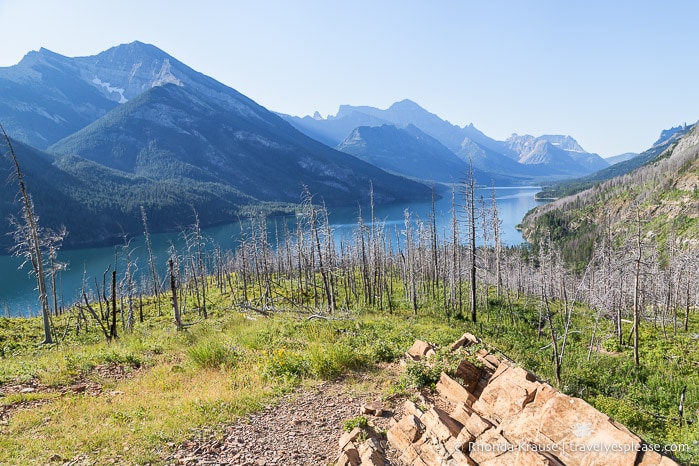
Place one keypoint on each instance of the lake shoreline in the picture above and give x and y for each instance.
(17, 289)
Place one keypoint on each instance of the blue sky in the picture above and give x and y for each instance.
(612, 74)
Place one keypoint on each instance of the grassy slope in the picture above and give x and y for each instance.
(229, 365)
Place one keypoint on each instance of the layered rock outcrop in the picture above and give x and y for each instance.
(495, 413)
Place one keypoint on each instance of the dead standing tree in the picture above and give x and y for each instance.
(151, 258)
(470, 188)
(29, 242)
(314, 217)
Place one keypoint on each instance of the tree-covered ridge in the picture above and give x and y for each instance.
(176, 132)
(99, 204)
(173, 151)
(662, 196)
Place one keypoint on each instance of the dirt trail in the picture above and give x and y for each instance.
(301, 429)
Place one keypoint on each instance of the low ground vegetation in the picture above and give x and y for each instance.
(137, 397)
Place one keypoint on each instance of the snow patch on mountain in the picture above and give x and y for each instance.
(110, 89)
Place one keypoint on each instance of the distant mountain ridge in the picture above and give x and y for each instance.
(560, 157)
(41, 101)
(562, 153)
(407, 151)
(621, 157)
(673, 133)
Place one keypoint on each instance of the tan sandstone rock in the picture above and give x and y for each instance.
(488, 446)
(467, 339)
(508, 392)
(411, 408)
(419, 350)
(571, 430)
(453, 391)
(371, 453)
(476, 425)
(459, 458)
(461, 412)
(469, 375)
(373, 408)
(348, 437)
(439, 423)
(406, 432)
(652, 458)
(349, 457)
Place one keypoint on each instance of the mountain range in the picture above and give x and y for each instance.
(99, 137)
(519, 160)
(134, 127)
(667, 139)
(621, 157)
(410, 152)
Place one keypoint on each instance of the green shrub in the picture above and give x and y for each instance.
(115, 357)
(350, 424)
(330, 361)
(384, 351)
(612, 345)
(627, 414)
(419, 375)
(285, 364)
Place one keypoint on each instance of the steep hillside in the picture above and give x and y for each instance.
(663, 194)
(620, 158)
(98, 204)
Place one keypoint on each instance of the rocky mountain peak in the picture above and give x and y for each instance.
(406, 105)
(125, 71)
(563, 142)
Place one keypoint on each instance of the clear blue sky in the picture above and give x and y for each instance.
(611, 73)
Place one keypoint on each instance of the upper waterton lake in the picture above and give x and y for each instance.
(18, 295)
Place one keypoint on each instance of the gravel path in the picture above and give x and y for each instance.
(301, 429)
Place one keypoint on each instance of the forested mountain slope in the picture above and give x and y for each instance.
(409, 152)
(181, 134)
(98, 204)
(662, 195)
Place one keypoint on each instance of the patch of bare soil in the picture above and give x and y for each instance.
(301, 429)
(114, 371)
